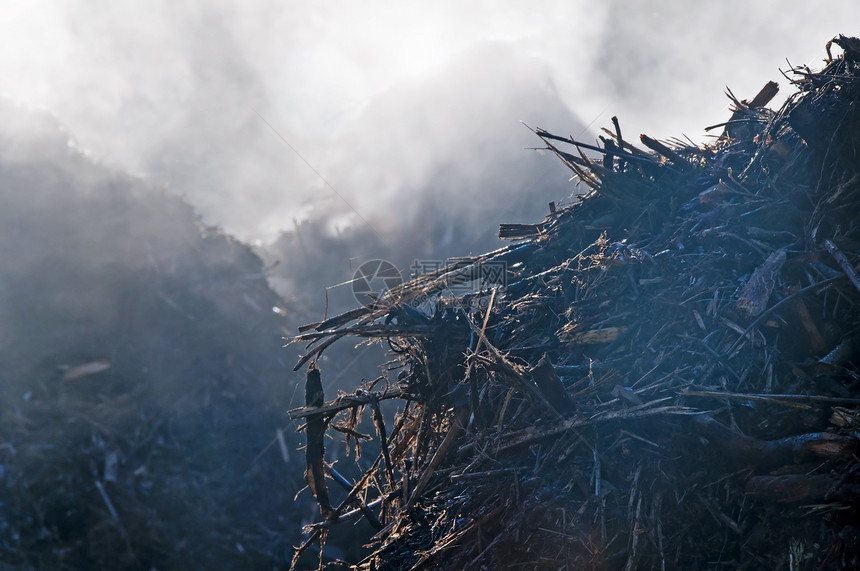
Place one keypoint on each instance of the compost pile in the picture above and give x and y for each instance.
(142, 376)
(661, 376)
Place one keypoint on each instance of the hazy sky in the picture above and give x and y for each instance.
(379, 97)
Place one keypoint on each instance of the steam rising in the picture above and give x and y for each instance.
(380, 97)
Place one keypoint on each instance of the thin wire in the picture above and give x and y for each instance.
(322, 178)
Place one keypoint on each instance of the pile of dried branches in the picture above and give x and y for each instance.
(664, 380)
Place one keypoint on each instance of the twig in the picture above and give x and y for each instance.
(115, 517)
(547, 135)
(344, 402)
(662, 149)
(318, 349)
(533, 434)
(338, 516)
(775, 398)
(344, 483)
(107, 501)
(460, 417)
(776, 306)
(383, 441)
(843, 263)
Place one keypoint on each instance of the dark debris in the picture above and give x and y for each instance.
(695, 309)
